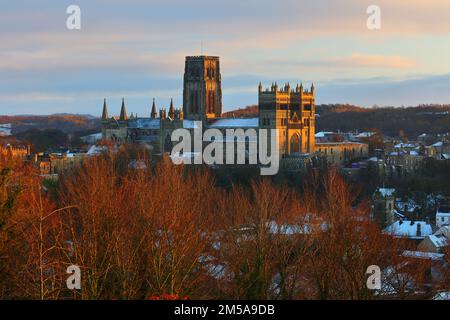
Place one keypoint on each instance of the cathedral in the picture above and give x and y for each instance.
(291, 110)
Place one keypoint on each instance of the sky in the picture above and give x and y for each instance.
(136, 49)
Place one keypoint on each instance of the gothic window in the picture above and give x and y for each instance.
(211, 102)
(208, 102)
(295, 143)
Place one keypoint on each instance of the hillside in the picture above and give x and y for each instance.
(412, 120)
(67, 123)
(250, 111)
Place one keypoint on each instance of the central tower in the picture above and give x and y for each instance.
(202, 90)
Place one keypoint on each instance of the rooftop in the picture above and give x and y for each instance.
(409, 229)
(235, 123)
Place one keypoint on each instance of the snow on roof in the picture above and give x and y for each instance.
(446, 156)
(409, 229)
(189, 124)
(93, 150)
(413, 153)
(438, 144)
(365, 134)
(288, 229)
(444, 230)
(144, 123)
(422, 255)
(322, 134)
(404, 145)
(386, 192)
(235, 123)
(398, 214)
(443, 295)
(94, 135)
(409, 205)
(234, 138)
(438, 241)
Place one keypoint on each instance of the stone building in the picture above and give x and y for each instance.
(10, 151)
(341, 153)
(292, 111)
(384, 210)
(289, 110)
(153, 130)
(202, 89)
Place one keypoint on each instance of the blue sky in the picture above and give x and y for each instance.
(136, 49)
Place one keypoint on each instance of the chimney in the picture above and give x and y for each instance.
(419, 230)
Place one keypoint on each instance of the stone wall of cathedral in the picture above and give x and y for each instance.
(292, 111)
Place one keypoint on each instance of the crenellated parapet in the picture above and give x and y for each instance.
(286, 97)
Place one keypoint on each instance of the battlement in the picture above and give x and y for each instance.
(287, 90)
(286, 98)
(202, 57)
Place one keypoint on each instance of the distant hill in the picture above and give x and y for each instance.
(250, 111)
(413, 121)
(67, 123)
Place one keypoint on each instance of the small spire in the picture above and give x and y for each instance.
(260, 87)
(123, 111)
(171, 110)
(105, 110)
(153, 113)
(312, 88)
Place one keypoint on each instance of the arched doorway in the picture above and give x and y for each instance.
(295, 144)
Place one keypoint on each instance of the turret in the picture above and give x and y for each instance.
(153, 113)
(105, 111)
(171, 110)
(123, 111)
(260, 87)
(162, 113)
